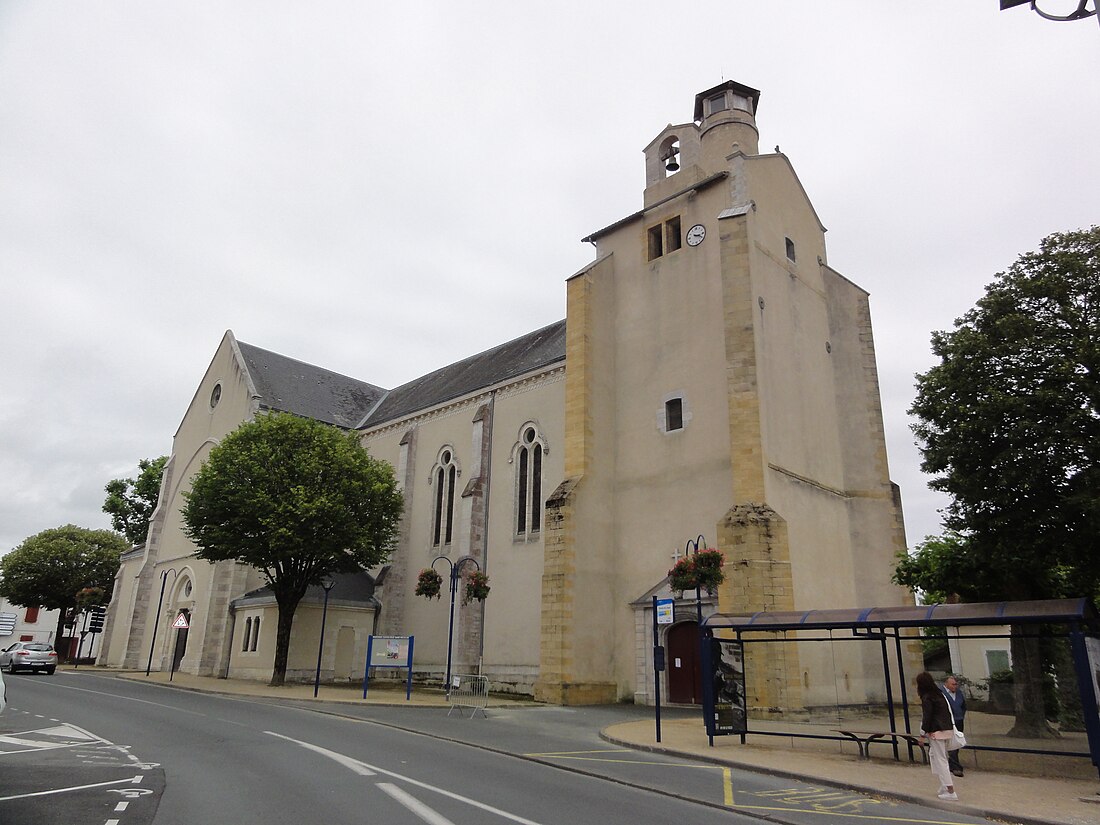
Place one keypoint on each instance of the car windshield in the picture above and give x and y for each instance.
(37, 647)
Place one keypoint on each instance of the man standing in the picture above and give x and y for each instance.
(957, 702)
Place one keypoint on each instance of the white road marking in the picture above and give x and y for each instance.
(122, 806)
(129, 699)
(61, 736)
(414, 805)
(353, 765)
(362, 766)
(63, 790)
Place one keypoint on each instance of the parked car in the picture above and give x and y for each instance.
(28, 656)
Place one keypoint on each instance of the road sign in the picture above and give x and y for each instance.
(181, 622)
(664, 611)
(7, 623)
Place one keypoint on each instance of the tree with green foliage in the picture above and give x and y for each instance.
(52, 568)
(131, 502)
(1009, 426)
(297, 500)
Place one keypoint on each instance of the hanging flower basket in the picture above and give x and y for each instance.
(428, 583)
(702, 570)
(477, 587)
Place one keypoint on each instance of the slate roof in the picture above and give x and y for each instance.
(355, 588)
(532, 351)
(287, 385)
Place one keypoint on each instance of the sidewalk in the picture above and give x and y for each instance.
(985, 791)
(995, 795)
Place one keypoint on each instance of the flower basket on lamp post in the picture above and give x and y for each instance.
(429, 583)
(477, 587)
(702, 570)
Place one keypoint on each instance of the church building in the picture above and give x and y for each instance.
(713, 385)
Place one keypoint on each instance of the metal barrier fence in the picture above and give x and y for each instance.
(468, 692)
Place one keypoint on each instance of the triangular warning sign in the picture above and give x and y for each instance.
(181, 622)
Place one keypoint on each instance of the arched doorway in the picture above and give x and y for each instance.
(685, 671)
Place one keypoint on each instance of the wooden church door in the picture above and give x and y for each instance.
(685, 674)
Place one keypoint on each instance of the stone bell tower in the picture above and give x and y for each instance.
(720, 380)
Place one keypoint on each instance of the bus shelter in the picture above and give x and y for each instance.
(728, 641)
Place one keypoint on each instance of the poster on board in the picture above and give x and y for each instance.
(727, 714)
(389, 651)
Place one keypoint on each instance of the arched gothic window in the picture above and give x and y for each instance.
(527, 456)
(255, 633)
(444, 482)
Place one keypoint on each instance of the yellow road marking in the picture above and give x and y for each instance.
(565, 757)
(878, 817)
(570, 753)
(811, 794)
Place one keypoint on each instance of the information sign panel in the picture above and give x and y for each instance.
(664, 611)
(389, 651)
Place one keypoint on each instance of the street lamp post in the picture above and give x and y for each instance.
(327, 584)
(456, 569)
(156, 622)
(1082, 12)
(690, 549)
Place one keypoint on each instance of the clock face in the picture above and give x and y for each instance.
(696, 234)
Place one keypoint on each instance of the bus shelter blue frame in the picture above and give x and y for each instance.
(884, 624)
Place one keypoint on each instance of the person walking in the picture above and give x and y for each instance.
(936, 730)
(957, 701)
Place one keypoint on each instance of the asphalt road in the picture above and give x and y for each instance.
(85, 748)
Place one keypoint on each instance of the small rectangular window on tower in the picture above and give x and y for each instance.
(717, 104)
(790, 249)
(674, 414)
(656, 250)
(672, 234)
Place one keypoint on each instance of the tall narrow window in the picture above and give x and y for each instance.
(438, 529)
(247, 633)
(790, 249)
(523, 479)
(255, 633)
(656, 248)
(451, 474)
(536, 489)
(527, 455)
(673, 238)
(445, 480)
(674, 414)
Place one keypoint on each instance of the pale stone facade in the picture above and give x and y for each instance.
(714, 376)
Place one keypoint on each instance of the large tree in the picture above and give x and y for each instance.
(131, 502)
(1009, 425)
(296, 499)
(50, 569)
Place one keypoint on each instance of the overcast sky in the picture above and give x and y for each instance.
(385, 188)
